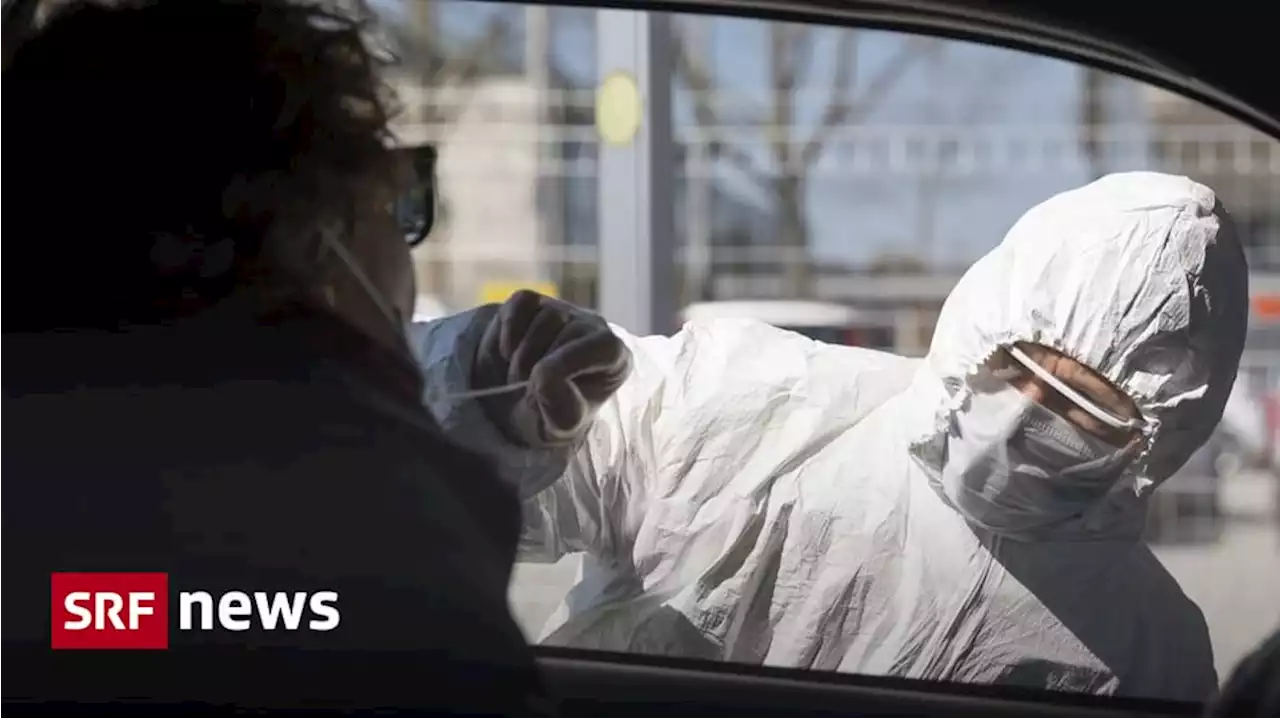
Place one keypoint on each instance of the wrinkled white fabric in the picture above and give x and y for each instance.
(752, 495)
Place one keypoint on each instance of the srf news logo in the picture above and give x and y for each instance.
(131, 611)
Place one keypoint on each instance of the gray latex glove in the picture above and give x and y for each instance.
(569, 356)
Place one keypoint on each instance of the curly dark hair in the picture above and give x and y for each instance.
(174, 150)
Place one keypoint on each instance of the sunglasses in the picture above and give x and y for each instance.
(416, 208)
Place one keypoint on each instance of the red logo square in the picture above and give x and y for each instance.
(110, 611)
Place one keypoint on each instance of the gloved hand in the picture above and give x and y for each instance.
(570, 358)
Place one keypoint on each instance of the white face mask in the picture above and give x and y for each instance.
(399, 327)
(398, 324)
(1013, 466)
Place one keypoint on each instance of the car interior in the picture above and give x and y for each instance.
(1213, 56)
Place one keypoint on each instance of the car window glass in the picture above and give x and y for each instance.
(860, 167)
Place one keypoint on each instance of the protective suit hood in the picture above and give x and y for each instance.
(1139, 276)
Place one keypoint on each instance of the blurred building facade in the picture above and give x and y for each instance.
(518, 167)
(1243, 166)
(489, 176)
(1240, 163)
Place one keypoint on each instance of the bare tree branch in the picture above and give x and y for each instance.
(702, 88)
(839, 106)
(930, 184)
(977, 106)
(782, 38)
(912, 50)
(798, 55)
(698, 78)
(882, 83)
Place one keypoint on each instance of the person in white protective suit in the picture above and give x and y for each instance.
(744, 493)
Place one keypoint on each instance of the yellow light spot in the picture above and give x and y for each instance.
(496, 292)
(619, 109)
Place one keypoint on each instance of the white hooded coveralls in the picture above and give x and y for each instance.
(753, 495)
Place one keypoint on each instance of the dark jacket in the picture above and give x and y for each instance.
(1253, 688)
(287, 454)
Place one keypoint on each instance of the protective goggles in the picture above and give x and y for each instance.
(1072, 395)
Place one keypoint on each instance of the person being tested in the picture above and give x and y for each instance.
(209, 373)
(744, 493)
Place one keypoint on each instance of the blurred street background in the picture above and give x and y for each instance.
(836, 182)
